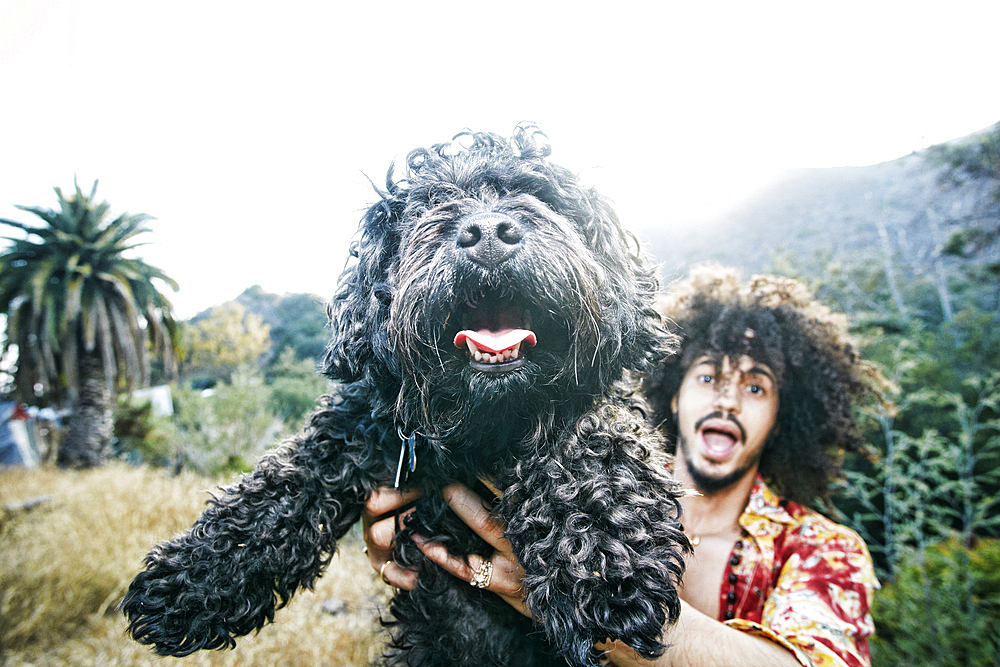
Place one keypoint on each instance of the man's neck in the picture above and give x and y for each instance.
(719, 512)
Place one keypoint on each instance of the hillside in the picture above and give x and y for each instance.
(909, 206)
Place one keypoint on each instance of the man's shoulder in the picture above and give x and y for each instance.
(811, 527)
(815, 545)
(803, 524)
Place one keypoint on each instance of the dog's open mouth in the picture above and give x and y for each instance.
(496, 336)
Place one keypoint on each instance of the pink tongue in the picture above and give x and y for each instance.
(495, 341)
(717, 444)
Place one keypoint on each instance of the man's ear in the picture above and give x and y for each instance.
(673, 408)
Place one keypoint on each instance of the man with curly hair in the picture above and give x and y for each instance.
(760, 398)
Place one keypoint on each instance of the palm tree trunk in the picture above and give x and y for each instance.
(88, 438)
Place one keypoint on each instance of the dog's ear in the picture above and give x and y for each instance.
(359, 310)
(634, 327)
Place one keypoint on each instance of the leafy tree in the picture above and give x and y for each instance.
(938, 483)
(80, 311)
(142, 436)
(229, 337)
(297, 321)
(301, 324)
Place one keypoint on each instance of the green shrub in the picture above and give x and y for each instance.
(942, 609)
(140, 436)
(296, 386)
(225, 429)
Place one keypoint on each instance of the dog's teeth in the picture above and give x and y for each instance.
(485, 357)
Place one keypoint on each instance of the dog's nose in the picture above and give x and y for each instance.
(489, 238)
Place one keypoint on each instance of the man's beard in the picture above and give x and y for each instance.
(710, 486)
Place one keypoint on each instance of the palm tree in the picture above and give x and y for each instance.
(80, 312)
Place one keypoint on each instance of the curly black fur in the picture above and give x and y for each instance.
(491, 235)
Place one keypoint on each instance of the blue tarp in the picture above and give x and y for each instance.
(15, 444)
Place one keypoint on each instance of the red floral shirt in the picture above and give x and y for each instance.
(801, 580)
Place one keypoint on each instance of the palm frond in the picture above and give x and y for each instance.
(68, 289)
(122, 229)
(105, 339)
(129, 340)
(42, 278)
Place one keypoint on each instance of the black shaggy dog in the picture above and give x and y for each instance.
(481, 331)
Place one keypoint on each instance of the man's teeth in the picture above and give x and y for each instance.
(491, 358)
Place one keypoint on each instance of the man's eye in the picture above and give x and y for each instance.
(756, 389)
(706, 378)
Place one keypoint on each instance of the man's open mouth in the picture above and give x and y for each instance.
(718, 443)
(496, 335)
(719, 437)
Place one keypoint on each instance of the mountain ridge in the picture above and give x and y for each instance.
(909, 207)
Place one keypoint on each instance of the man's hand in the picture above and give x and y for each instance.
(505, 570)
(379, 522)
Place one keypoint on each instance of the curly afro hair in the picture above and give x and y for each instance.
(822, 378)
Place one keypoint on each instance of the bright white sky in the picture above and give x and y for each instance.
(247, 128)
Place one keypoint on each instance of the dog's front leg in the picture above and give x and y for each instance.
(251, 549)
(596, 527)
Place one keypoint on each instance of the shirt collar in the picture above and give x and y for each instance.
(766, 504)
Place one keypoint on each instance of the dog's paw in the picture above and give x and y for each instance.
(193, 596)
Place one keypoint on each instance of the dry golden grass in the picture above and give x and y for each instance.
(65, 564)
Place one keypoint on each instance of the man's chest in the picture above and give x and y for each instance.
(706, 570)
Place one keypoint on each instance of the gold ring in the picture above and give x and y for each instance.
(381, 571)
(481, 577)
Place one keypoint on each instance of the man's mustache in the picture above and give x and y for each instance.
(720, 415)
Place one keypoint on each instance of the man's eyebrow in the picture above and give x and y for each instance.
(716, 363)
(760, 370)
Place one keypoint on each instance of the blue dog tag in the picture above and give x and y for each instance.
(408, 454)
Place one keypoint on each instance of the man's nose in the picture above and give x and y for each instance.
(727, 397)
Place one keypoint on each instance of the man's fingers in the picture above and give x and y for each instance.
(501, 579)
(437, 553)
(378, 520)
(501, 574)
(492, 487)
(385, 500)
(471, 509)
(381, 534)
(397, 576)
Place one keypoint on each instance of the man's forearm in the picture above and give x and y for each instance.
(699, 641)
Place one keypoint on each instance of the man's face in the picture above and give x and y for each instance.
(725, 414)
